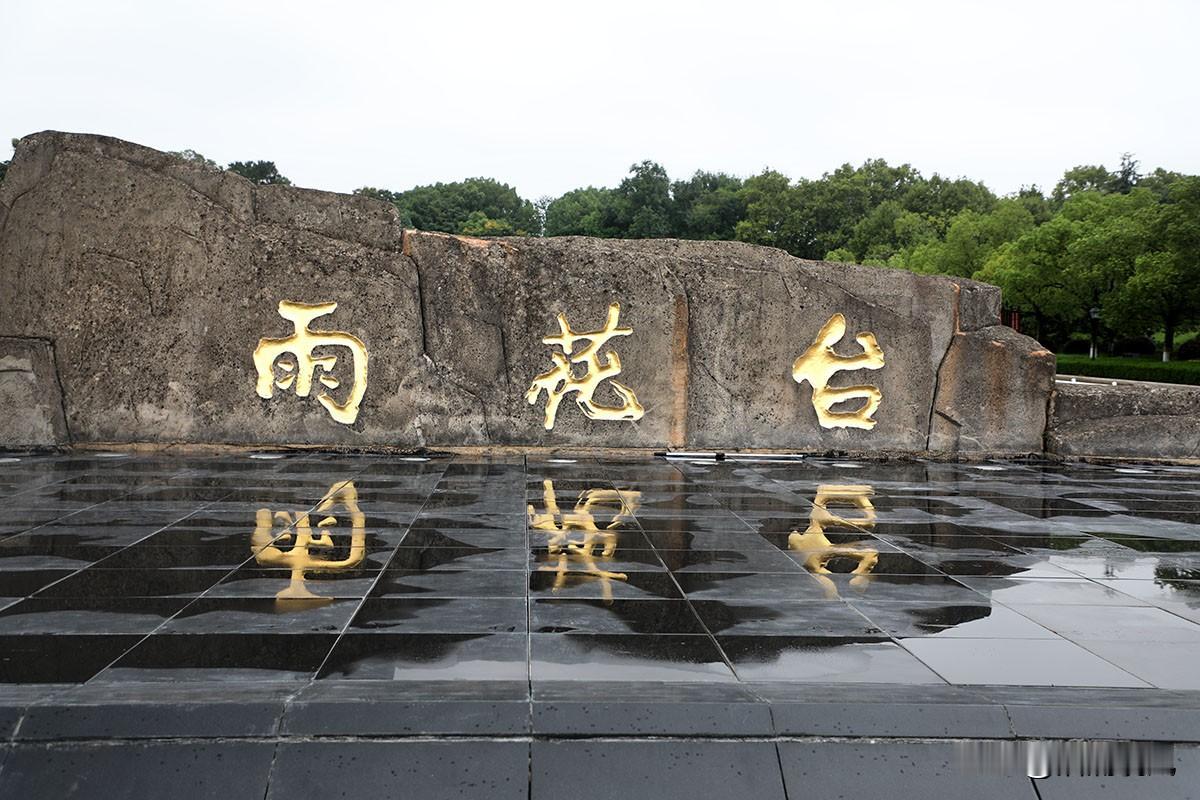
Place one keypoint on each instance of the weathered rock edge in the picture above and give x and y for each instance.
(1137, 420)
(155, 277)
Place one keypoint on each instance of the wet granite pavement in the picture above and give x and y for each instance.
(293, 625)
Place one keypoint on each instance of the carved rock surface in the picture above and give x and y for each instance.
(156, 278)
(1131, 419)
(992, 392)
(29, 395)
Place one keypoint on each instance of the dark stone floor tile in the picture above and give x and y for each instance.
(798, 585)
(83, 615)
(1180, 786)
(828, 659)
(451, 583)
(886, 769)
(428, 657)
(409, 708)
(158, 711)
(255, 581)
(617, 616)
(184, 770)
(664, 770)
(951, 620)
(782, 618)
(442, 615)
(262, 615)
(236, 657)
(427, 559)
(96, 582)
(24, 582)
(584, 582)
(613, 657)
(58, 658)
(426, 770)
(1104, 721)
(1041, 662)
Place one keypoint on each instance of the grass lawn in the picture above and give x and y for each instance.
(1131, 369)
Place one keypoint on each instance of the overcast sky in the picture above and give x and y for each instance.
(552, 96)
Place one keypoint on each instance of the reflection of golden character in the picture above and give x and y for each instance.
(299, 366)
(561, 380)
(819, 551)
(576, 557)
(299, 541)
(819, 363)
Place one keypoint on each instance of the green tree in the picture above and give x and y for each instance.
(1084, 178)
(195, 158)
(448, 207)
(708, 206)
(583, 212)
(1163, 290)
(970, 240)
(259, 172)
(1033, 272)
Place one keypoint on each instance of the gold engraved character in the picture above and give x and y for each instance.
(816, 547)
(561, 380)
(299, 550)
(298, 365)
(577, 546)
(819, 363)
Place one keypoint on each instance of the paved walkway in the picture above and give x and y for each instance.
(527, 626)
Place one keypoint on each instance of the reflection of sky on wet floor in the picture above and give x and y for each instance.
(326, 567)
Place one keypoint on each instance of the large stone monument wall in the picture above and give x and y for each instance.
(156, 281)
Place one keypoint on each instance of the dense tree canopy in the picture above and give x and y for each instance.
(259, 172)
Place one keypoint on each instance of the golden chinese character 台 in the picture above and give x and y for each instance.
(298, 550)
(561, 380)
(293, 357)
(820, 362)
(577, 544)
(815, 545)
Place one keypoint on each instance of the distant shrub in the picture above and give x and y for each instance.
(1077, 347)
(1134, 346)
(1131, 369)
(1189, 350)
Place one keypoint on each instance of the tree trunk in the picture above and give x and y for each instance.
(1168, 340)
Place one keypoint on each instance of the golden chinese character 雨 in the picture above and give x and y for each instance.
(816, 547)
(820, 362)
(578, 546)
(300, 551)
(561, 380)
(293, 357)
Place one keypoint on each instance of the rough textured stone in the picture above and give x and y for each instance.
(992, 392)
(30, 395)
(1130, 419)
(156, 278)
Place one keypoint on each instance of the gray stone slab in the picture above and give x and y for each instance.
(138, 771)
(1183, 785)
(158, 711)
(428, 770)
(1130, 419)
(665, 770)
(391, 708)
(887, 769)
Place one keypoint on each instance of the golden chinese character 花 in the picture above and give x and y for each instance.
(577, 546)
(820, 362)
(298, 550)
(561, 380)
(297, 366)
